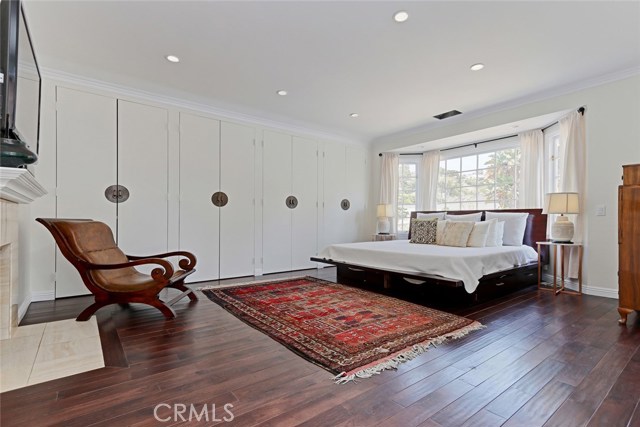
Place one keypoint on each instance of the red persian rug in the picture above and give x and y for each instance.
(351, 332)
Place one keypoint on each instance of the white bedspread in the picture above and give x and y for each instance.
(465, 264)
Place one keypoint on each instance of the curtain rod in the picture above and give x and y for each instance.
(475, 144)
(580, 110)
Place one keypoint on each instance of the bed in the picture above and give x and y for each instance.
(399, 262)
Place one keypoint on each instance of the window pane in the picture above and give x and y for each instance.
(469, 163)
(485, 160)
(468, 194)
(453, 164)
(469, 178)
(452, 206)
(468, 206)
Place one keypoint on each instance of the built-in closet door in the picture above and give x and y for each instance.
(237, 218)
(86, 166)
(276, 215)
(336, 220)
(199, 180)
(304, 230)
(356, 180)
(143, 170)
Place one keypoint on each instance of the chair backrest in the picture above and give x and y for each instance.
(89, 241)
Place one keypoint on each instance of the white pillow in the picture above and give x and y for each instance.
(496, 230)
(440, 231)
(439, 215)
(515, 224)
(480, 233)
(473, 217)
(456, 233)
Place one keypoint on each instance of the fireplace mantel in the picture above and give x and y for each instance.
(19, 186)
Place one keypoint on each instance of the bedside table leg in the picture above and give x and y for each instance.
(555, 266)
(539, 268)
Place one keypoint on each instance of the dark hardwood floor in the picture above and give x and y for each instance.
(541, 360)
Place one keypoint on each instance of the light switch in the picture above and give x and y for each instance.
(601, 210)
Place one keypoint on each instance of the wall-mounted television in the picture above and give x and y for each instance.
(20, 88)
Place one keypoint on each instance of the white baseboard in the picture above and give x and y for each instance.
(43, 296)
(600, 292)
(22, 308)
(588, 290)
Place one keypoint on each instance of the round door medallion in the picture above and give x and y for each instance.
(219, 199)
(291, 202)
(345, 204)
(116, 193)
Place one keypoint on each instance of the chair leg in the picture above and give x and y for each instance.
(188, 292)
(165, 309)
(89, 311)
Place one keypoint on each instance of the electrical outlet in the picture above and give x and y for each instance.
(601, 210)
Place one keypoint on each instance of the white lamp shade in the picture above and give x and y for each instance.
(385, 211)
(562, 203)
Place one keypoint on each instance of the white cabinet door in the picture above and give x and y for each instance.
(304, 229)
(276, 216)
(356, 192)
(237, 217)
(199, 179)
(86, 166)
(142, 169)
(336, 226)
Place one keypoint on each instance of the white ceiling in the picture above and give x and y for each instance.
(336, 57)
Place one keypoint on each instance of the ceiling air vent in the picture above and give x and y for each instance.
(447, 114)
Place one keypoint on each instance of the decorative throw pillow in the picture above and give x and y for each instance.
(440, 231)
(479, 233)
(439, 215)
(515, 224)
(456, 233)
(474, 217)
(423, 231)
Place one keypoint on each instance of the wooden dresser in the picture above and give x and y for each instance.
(629, 242)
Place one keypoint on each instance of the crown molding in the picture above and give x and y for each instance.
(19, 186)
(211, 109)
(518, 102)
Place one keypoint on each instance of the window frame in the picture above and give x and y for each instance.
(475, 150)
(402, 160)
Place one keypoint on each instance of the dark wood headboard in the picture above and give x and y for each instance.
(536, 230)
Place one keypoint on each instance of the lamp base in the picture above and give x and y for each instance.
(562, 230)
(384, 226)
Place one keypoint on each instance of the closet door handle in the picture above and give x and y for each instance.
(117, 193)
(219, 199)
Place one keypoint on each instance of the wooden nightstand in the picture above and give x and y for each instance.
(382, 237)
(554, 249)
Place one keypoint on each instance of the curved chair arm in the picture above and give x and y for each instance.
(187, 263)
(161, 275)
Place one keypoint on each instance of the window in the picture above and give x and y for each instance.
(485, 180)
(407, 192)
(553, 157)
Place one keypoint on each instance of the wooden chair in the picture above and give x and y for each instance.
(110, 274)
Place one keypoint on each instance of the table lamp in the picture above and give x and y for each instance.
(562, 203)
(384, 213)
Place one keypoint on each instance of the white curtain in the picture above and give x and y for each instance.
(573, 146)
(531, 170)
(389, 176)
(429, 180)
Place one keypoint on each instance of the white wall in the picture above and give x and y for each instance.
(613, 140)
(37, 257)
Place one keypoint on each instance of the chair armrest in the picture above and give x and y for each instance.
(161, 275)
(187, 263)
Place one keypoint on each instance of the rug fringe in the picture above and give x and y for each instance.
(253, 282)
(404, 356)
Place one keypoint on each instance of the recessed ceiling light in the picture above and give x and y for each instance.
(477, 67)
(282, 92)
(400, 16)
(172, 58)
(354, 115)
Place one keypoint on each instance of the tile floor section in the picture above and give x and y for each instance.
(46, 351)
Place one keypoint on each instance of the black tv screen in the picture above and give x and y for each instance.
(20, 88)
